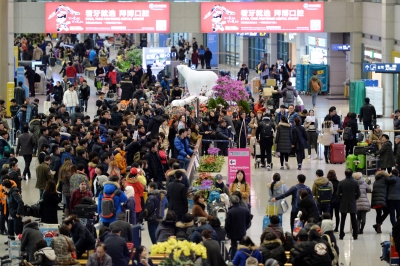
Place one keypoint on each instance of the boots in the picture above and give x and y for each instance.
(360, 232)
(377, 228)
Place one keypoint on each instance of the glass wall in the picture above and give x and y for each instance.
(175, 37)
(230, 51)
(283, 47)
(256, 50)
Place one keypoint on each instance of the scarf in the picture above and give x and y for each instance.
(220, 186)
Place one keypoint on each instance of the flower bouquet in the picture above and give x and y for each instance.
(180, 253)
(213, 151)
(211, 163)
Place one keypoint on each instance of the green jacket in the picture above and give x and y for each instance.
(310, 87)
(43, 175)
(386, 155)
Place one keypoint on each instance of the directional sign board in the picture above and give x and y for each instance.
(238, 159)
(382, 67)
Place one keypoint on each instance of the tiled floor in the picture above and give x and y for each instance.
(365, 251)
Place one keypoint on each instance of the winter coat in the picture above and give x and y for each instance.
(276, 230)
(237, 222)
(126, 229)
(184, 230)
(109, 188)
(284, 93)
(130, 204)
(43, 175)
(50, 208)
(165, 229)
(84, 92)
(94, 260)
(394, 188)
(196, 235)
(214, 256)
(283, 138)
(117, 250)
(26, 144)
(348, 193)
(363, 202)
(154, 126)
(380, 190)
(155, 168)
(70, 98)
(77, 196)
(34, 127)
(320, 181)
(367, 113)
(30, 235)
(386, 156)
(243, 252)
(44, 257)
(299, 138)
(310, 86)
(62, 246)
(139, 189)
(324, 256)
(244, 190)
(182, 147)
(309, 209)
(165, 130)
(272, 249)
(335, 199)
(280, 188)
(293, 192)
(328, 132)
(376, 138)
(76, 179)
(198, 210)
(177, 197)
(121, 161)
(82, 237)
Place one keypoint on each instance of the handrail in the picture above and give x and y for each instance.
(192, 167)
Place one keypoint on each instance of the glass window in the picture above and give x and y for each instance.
(283, 48)
(231, 44)
(175, 37)
(256, 50)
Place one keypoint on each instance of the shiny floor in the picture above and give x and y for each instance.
(365, 251)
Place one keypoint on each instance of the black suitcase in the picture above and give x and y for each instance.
(85, 211)
(52, 61)
(137, 235)
(363, 150)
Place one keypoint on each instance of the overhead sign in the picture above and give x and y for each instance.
(231, 17)
(340, 47)
(106, 17)
(238, 159)
(253, 34)
(382, 68)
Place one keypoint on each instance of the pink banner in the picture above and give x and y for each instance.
(239, 159)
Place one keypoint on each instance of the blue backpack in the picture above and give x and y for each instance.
(214, 195)
(298, 194)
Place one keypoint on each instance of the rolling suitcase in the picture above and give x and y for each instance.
(137, 235)
(337, 153)
(350, 162)
(52, 61)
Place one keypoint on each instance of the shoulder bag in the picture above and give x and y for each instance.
(284, 204)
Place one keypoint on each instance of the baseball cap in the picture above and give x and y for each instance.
(141, 99)
(218, 177)
(133, 171)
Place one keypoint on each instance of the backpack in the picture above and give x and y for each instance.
(348, 133)
(156, 213)
(107, 204)
(251, 261)
(315, 85)
(289, 96)
(266, 130)
(332, 246)
(324, 194)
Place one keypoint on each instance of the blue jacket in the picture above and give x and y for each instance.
(108, 188)
(240, 256)
(196, 236)
(67, 155)
(92, 55)
(278, 117)
(22, 119)
(292, 117)
(165, 84)
(182, 146)
(103, 129)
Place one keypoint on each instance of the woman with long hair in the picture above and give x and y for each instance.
(335, 201)
(363, 205)
(240, 185)
(328, 137)
(64, 175)
(276, 189)
(182, 122)
(376, 137)
(49, 204)
(199, 206)
(140, 257)
(194, 135)
(311, 126)
(299, 141)
(173, 132)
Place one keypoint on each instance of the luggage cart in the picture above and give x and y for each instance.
(257, 156)
(371, 165)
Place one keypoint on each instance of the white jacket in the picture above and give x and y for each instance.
(70, 98)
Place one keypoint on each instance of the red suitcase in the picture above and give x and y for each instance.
(337, 153)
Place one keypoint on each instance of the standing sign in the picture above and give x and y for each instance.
(107, 17)
(239, 159)
(213, 45)
(231, 17)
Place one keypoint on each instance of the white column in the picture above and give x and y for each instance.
(243, 50)
(273, 48)
(356, 55)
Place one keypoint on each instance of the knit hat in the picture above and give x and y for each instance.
(271, 262)
(129, 192)
(327, 225)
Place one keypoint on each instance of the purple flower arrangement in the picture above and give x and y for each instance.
(230, 89)
(207, 183)
(213, 151)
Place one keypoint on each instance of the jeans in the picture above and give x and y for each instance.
(314, 98)
(83, 102)
(28, 160)
(327, 152)
(335, 206)
(152, 227)
(41, 193)
(381, 215)
(323, 208)
(394, 206)
(353, 224)
(367, 125)
(183, 163)
(265, 148)
(15, 226)
(71, 109)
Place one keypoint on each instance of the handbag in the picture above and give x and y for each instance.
(73, 254)
(284, 204)
(320, 138)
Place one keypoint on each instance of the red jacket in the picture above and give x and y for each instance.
(77, 196)
(195, 58)
(139, 189)
(70, 72)
(113, 77)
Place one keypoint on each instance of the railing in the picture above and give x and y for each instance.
(192, 167)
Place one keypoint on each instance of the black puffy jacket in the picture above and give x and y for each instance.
(309, 209)
(367, 113)
(14, 202)
(379, 189)
(273, 249)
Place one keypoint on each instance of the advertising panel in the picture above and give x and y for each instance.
(213, 45)
(239, 159)
(84, 17)
(157, 57)
(231, 17)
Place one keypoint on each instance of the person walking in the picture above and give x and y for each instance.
(311, 127)
(348, 193)
(283, 141)
(328, 137)
(321, 183)
(367, 115)
(379, 198)
(275, 189)
(84, 95)
(289, 93)
(314, 87)
(335, 202)
(264, 135)
(177, 196)
(26, 145)
(70, 99)
(350, 133)
(363, 205)
(299, 141)
(386, 156)
(393, 200)
(237, 222)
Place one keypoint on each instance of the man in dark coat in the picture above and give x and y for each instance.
(156, 170)
(25, 146)
(30, 235)
(237, 223)
(155, 123)
(367, 114)
(116, 248)
(348, 193)
(214, 256)
(386, 155)
(177, 196)
(126, 229)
